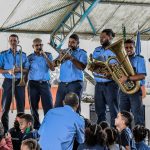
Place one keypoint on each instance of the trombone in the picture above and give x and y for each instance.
(22, 82)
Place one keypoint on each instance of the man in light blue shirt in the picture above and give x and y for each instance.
(71, 71)
(39, 76)
(133, 102)
(106, 90)
(62, 125)
(10, 67)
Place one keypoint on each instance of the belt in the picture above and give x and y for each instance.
(39, 81)
(8, 79)
(104, 83)
(71, 82)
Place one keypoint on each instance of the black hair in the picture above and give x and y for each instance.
(87, 122)
(31, 144)
(109, 32)
(71, 99)
(74, 36)
(111, 135)
(128, 118)
(14, 35)
(20, 114)
(28, 118)
(95, 135)
(140, 133)
(104, 124)
(130, 41)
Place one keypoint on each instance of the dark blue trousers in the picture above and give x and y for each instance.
(133, 103)
(37, 90)
(7, 99)
(64, 88)
(106, 94)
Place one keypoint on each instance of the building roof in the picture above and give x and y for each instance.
(42, 16)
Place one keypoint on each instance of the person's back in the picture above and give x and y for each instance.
(95, 139)
(16, 134)
(142, 146)
(16, 137)
(60, 127)
(87, 147)
(140, 134)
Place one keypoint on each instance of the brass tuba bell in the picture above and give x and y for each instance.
(121, 67)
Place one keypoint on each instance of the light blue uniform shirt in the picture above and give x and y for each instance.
(8, 61)
(38, 69)
(142, 82)
(138, 64)
(59, 129)
(68, 71)
(142, 146)
(102, 55)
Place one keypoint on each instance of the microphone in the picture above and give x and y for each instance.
(40, 49)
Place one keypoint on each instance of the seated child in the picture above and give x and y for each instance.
(122, 123)
(30, 144)
(26, 127)
(140, 133)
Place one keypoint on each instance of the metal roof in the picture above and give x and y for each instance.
(42, 16)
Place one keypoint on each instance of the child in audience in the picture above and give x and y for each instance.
(16, 134)
(26, 127)
(95, 139)
(111, 139)
(122, 123)
(140, 133)
(30, 144)
(5, 141)
(104, 125)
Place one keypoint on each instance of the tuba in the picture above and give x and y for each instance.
(121, 67)
(22, 81)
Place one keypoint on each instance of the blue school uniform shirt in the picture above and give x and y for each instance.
(59, 129)
(9, 61)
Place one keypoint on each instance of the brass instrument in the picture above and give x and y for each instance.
(121, 67)
(59, 60)
(22, 82)
(13, 91)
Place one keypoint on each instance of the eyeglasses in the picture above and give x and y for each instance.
(38, 45)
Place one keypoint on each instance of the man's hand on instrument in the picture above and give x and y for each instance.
(17, 69)
(123, 79)
(68, 57)
(11, 71)
(43, 53)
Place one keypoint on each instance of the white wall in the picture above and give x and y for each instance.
(88, 45)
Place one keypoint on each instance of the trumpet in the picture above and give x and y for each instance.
(59, 60)
(22, 82)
